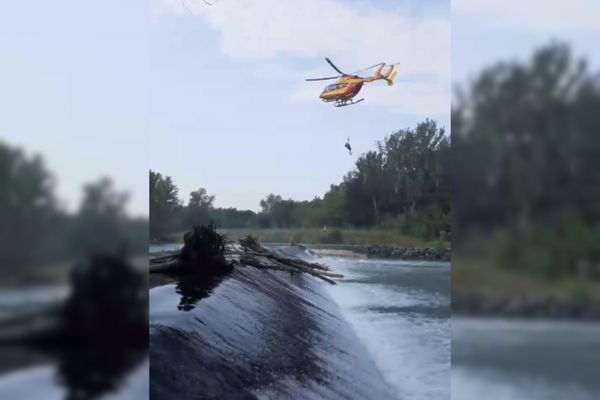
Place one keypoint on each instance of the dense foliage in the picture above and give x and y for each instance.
(35, 230)
(164, 203)
(404, 184)
(525, 149)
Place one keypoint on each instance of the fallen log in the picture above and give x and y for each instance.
(312, 272)
(250, 244)
(196, 253)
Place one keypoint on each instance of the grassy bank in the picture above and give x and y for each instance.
(332, 236)
(51, 274)
(486, 276)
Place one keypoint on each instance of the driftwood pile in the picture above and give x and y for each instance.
(205, 251)
(252, 253)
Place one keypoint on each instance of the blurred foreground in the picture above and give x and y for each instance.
(526, 249)
(73, 289)
(527, 189)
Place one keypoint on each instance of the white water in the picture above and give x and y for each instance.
(400, 311)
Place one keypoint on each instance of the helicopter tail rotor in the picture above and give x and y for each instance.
(391, 76)
(387, 72)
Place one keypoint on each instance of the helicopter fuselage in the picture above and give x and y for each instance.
(344, 89)
(342, 92)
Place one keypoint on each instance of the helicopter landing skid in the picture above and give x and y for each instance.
(343, 103)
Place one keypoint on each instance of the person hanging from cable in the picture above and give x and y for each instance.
(347, 145)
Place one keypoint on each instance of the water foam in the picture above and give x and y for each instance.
(412, 349)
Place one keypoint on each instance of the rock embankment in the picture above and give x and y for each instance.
(408, 253)
(525, 306)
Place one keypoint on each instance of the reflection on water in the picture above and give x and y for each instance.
(191, 287)
(520, 359)
(91, 341)
(192, 290)
(19, 300)
(39, 383)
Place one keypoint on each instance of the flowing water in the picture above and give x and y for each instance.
(500, 359)
(400, 310)
(382, 333)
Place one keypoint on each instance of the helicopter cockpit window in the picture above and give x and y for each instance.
(334, 86)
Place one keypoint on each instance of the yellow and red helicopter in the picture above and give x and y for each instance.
(348, 85)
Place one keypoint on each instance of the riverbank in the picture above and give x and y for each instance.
(485, 290)
(409, 253)
(372, 243)
(379, 237)
(50, 274)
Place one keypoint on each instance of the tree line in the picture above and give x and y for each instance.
(36, 230)
(404, 184)
(526, 150)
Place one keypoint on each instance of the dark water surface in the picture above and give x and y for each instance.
(501, 359)
(382, 333)
(257, 334)
(55, 345)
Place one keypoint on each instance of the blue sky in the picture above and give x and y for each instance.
(232, 109)
(216, 97)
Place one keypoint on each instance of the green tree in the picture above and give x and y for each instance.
(28, 209)
(99, 223)
(525, 155)
(267, 204)
(199, 208)
(164, 204)
(334, 206)
(365, 189)
(414, 168)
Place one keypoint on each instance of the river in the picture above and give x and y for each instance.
(500, 359)
(383, 332)
(400, 310)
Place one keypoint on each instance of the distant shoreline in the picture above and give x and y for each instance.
(373, 243)
(478, 304)
(481, 288)
(368, 243)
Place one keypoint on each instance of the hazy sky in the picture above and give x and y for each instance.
(486, 31)
(73, 87)
(214, 96)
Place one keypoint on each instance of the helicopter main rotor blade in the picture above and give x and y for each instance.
(368, 68)
(334, 67)
(322, 79)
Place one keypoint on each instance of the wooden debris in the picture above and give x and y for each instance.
(203, 252)
(248, 251)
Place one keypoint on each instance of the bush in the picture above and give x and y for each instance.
(332, 237)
